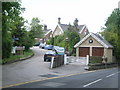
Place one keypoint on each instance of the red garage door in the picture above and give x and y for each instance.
(83, 51)
(97, 51)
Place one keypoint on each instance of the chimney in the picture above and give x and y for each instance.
(45, 27)
(76, 22)
(59, 20)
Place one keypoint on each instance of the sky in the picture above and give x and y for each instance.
(92, 13)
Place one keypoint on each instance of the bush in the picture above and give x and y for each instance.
(95, 59)
(73, 38)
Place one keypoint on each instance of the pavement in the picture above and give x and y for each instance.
(35, 68)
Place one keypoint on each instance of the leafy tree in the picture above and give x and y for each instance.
(36, 30)
(19, 32)
(73, 38)
(112, 31)
(27, 41)
(10, 17)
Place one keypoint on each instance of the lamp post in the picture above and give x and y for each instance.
(52, 41)
(66, 45)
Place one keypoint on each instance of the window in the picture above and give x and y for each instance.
(90, 41)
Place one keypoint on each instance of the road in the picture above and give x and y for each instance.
(97, 79)
(26, 70)
(35, 69)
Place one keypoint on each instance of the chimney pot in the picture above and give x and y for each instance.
(76, 22)
(59, 20)
(45, 27)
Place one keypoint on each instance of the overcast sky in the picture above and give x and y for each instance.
(93, 13)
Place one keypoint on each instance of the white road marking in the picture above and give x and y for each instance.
(110, 75)
(92, 82)
(100, 79)
(118, 72)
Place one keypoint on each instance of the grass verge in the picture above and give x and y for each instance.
(13, 58)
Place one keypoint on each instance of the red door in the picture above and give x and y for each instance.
(97, 51)
(83, 51)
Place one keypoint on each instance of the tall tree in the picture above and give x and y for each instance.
(36, 30)
(10, 22)
(112, 31)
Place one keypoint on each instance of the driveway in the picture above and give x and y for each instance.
(35, 69)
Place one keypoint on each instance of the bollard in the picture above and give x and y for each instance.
(87, 60)
(65, 59)
(51, 64)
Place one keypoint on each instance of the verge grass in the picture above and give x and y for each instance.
(16, 57)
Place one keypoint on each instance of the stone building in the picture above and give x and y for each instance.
(61, 28)
(94, 45)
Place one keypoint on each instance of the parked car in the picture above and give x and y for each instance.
(59, 50)
(56, 51)
(48, 56)
(42, 45)
(49, 47)
(37, 44)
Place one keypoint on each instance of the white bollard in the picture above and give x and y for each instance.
(65, 59)
(87, 60)
(51, 64)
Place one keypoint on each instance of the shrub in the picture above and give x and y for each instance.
(95, 59)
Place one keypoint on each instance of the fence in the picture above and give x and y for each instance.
(18, 50)
(57, 61)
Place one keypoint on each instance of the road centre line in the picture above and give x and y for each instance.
(113, 74)
(118, 72)
(100, 79)
(110, 75)
(92, 82)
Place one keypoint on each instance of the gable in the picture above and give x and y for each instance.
(94, 43)
(96, 37)
(83, 33)
(57, 31)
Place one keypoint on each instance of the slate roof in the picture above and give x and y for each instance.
(100, 39)
(80, 27)
(65, 27)
(103, 40)
(47, 31)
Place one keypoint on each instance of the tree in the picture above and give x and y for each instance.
(112, 31)
(36, 30)
(10, 17)
(73, 38)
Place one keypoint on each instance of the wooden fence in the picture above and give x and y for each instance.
(57, 61)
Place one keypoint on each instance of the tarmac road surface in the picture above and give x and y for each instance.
(35, 69)
(99, 79)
